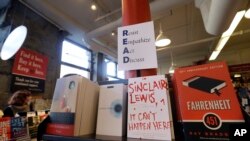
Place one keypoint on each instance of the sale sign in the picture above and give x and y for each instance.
(148, 109)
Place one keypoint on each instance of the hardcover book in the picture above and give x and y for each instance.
(205, 100)
(74, 107)
(15, 129)
(112, 110)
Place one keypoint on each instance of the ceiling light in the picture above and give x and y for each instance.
(214, 55)
(13, 42)
(247, 14)
(172, 67)
(237, 75)
(93, 6)
(226, 35)
(113, 33)
(162, 39)
(239, 15)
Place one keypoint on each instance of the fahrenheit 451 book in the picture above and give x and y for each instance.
(207, 104)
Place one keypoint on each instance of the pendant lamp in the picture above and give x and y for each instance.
(173, 66)
(247, 14)
(14, 40)
(162, 40)
(93, 5)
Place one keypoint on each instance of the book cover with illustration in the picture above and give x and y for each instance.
(205, 84)
(74, 107)
(149, 112)
(205, 100)
(15, 128)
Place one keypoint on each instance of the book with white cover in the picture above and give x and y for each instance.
(111, 120)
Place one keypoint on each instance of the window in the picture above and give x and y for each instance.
(112, 70)
(75, 60)
(120, 74)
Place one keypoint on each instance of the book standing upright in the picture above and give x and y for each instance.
(206, 101)
(112, 110)
(74, 107)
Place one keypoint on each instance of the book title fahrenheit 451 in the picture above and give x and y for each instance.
(205, 100)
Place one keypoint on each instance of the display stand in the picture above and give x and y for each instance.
(46, 137)
(178, 129)
(62, 138)
(88, 138)
(42, 128)
(42, 136)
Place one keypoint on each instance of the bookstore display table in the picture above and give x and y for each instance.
(62, 138)
(89, 138)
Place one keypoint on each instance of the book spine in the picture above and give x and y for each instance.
(5, 131)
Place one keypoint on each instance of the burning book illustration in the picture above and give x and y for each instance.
(205, 84)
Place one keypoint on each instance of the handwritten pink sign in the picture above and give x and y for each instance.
(148, 108)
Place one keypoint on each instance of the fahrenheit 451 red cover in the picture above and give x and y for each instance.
(206, 101)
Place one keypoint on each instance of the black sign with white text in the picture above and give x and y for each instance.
(22, 82)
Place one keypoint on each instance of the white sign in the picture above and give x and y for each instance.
(136, 47)
(148, 113)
